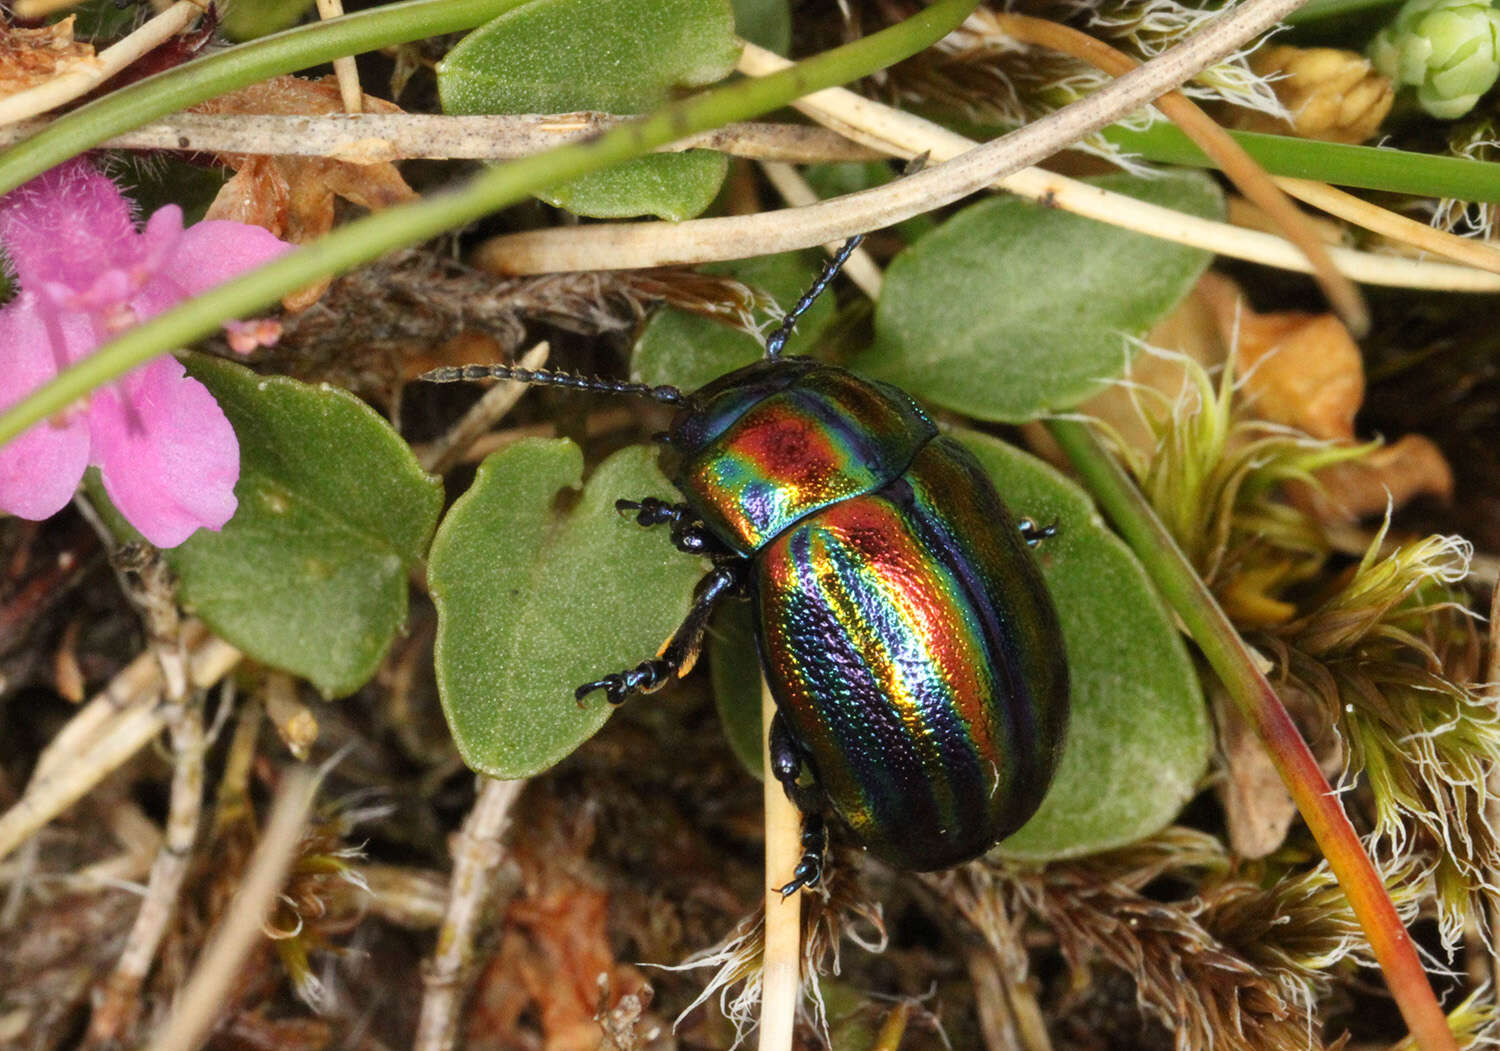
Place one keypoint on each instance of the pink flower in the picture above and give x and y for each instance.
(167, 456)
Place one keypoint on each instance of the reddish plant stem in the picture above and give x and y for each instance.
(1247, 685)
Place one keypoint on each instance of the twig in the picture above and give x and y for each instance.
(344, 68)
(370, 137)
(474, 859)
(294, 722)
(439, 456)
(628, 245)
(1391, 224)
(103, 739)
(781, 981)
(1213, 140)
(150, 587)
(107, 63)
(794, 189)
(202, 998)
(116, 1012)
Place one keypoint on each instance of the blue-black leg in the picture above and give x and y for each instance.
(786, 767)
(680, 653)
(687, 532)
(1034, 534)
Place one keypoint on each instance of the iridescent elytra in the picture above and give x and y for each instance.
(904, 627)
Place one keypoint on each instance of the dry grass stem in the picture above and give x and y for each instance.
(103, 736)
(1383, 221)
(344, 68)
(44, 97)
(781, 970)
(448, 450)
(477, 852)
(376, 137)
(203, 996)
(630, 245)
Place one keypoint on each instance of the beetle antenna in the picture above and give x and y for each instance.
(665, 394)
(783, 331)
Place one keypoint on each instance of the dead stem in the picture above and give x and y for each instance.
(1230, 156)
(1372, 217)
(477, 852)
(79, 82)
(103, 736)
(202, 997)
(343, 67)
(781, 972)
(894, 132)
(372, 137)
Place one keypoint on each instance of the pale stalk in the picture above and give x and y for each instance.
(781, 961)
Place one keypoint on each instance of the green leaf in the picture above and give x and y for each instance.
(531, 604)
(767, 23)
(258, 19)
(614, 56)
(687, 350)
(1010, 310)
(310, 575)
(1139, 738)
(673, 186)
(734, 670)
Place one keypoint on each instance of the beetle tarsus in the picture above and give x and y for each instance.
(1034, 534)
(688, 534)
(809, 870)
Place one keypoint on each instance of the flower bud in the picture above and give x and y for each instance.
(1446, 49)
(1330, 94)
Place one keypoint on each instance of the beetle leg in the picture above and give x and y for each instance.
(786, 766)
(680, 653)
(809, 870)
(1034, 534)
(688, 534)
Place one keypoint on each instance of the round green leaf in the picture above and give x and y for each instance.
(688, 350)
(310, 574)
(1010, 310)
(672, 186)
(734, 670)
(1139, 737)
(767, 23)
(532, 604)
(614, 56)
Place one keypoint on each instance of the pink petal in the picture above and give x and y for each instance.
(40, 469)
(67, 226)
(166, 453)
(207, 254)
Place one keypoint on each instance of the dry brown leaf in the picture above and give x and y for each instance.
(1389, 476)
(1301, 370)
(293, 197)
(30, 56)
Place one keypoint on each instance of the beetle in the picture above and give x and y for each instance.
(907, 637)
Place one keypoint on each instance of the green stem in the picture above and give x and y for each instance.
(213, 75)
(369, 238)
(1232, 660)
(1365, 167)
